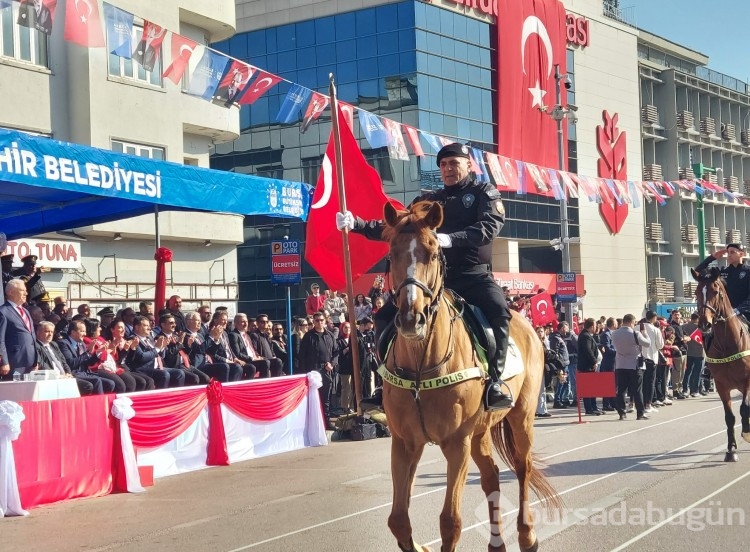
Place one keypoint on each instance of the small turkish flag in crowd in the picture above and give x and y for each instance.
(542, 309)
(697, 336)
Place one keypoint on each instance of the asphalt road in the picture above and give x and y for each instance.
(649, 485)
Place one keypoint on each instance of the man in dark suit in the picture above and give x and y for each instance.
(261, 340)
(16, 333)
(195, 346)
(35, 15)
(146, 357)
(79, 357)
(243, 348)
(588, 359)
(50, 358)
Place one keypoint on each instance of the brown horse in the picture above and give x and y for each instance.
(432, 345)
(728, 355)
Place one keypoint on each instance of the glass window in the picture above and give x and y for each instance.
(420, 40)
(367, 68)
(462, 71)
(288, 61)
(462, 51)
(285, 38)
(151, 152)
(388, 43)
(18, 42)
(325, 30)
(367, 46)
(449, 69)
(365, 22)
(434, 64)
(405, 15)
(446, 22)
(305, 58)
(346, 72)
(323, 72)
(305, 34)
(345, 26)
(408, 62)
(346, 50)
(305, 77)
(387, 66)
(256, 43)
(387, 18)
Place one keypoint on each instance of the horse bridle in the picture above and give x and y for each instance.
(718, 317)
(430, 309)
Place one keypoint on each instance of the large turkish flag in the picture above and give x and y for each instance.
(364, 198)
(542, 309)
(531, 41)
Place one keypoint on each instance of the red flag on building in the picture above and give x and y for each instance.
(413, 135)
(542, 309)
(317, 105)
(531, 41)
(364, 198)
(262, 84)
(182, 49)
(697, 336)
(348, 111)
(82, 23)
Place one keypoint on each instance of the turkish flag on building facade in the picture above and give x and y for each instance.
(542, 309)
(262, 84)
(531, 41)
(182, 49)
(82, 23)
(364, 198)
(697, 336)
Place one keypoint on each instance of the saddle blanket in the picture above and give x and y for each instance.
(513, 362)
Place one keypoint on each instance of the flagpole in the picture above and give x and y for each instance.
(353, 336)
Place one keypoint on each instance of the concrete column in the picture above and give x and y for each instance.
(505, 256)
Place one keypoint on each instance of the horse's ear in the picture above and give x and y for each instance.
(696, 275)
(390, 214)
(715, 273)
(434, 217)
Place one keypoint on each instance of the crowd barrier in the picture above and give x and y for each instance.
(53, 451)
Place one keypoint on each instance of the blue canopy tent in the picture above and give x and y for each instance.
(47, 185)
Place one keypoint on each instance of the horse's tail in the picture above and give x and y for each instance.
(505, 445)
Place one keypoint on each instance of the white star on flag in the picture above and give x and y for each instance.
(537, 94)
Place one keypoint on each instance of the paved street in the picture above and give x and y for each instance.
(625, 485)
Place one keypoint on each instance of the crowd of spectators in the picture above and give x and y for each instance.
(655, 361)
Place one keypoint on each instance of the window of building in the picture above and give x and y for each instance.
(130, 148)
(131, 69)
(19, 42)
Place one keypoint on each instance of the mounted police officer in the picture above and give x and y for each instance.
(473, 215)
(736, 276)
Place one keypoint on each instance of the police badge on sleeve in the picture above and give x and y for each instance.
(499, 207)
(468, 200)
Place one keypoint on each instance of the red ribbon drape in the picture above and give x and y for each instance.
(266, 401)
(217, 441)
(162, 257)
(160, 417)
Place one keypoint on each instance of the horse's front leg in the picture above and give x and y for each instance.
(745, 416)
(726, 399)
(404, 459)
(456, 453)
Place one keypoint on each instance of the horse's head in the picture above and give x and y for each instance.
(417, 264)
(711, 295)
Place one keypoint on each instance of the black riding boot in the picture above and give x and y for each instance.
(497, 395)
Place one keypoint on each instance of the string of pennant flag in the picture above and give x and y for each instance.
(227, 81)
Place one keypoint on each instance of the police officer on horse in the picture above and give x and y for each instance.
(473, 215)
(736, 276)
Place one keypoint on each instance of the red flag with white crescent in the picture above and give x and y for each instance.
(82, 23)
(262, 84)
(542, 309)
(182, 49)
(364, 198)
(697, 336)
(531, 40)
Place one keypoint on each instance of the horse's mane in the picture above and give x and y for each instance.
(411, 221)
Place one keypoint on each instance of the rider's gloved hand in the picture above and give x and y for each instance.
(345, 220)
(444, 240)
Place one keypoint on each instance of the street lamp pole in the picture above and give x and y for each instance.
(558, 114)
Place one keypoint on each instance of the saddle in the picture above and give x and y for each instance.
(476, 324)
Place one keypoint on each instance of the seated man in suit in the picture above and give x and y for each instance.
(261, 340)
(195, 346)
(50, 358)
(79, 357)
(243, 348)
(17, 351)
(174, 352)
(218, 346)
(147, 357)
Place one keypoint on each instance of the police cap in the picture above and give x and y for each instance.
(30, 259)
(453, 150)
(736, 246)
(106, 311)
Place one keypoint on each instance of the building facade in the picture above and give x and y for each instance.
(85, 95)
(432, 65)
(691, 117)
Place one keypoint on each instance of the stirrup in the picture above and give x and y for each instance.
(500, 400)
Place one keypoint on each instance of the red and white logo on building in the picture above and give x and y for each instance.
(612, 163)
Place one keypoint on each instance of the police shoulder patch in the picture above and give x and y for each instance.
(499, 207)
(468, 200)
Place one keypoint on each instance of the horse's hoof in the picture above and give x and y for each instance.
(731, 457)
(746, 436)
(533, 548)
